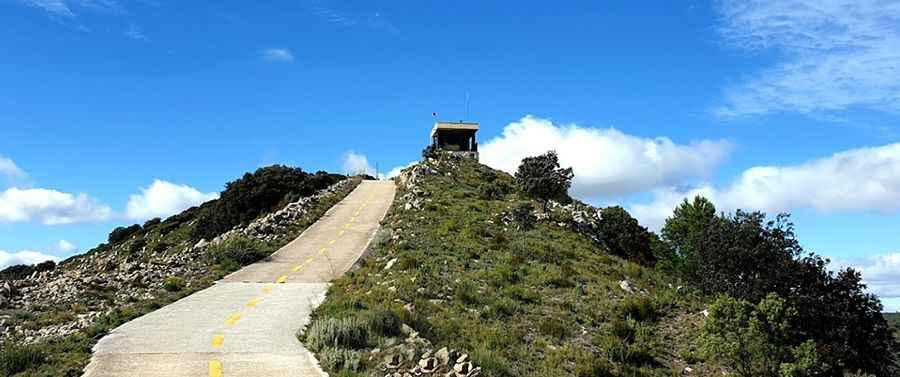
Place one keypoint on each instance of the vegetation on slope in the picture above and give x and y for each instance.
(474, 260)
(250, 197)
(475, 270)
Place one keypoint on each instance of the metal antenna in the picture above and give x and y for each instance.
(467, 106)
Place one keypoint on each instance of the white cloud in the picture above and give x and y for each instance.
(606, 162)
(64, 7)
(10, 170)
(23, 257)
(50, 207)
(65, 246)
(881, 273)
(832, 55)
(135, 32)
(163, 199)
(278, 55)
(397, 169)
(355, 163)
(864, 179)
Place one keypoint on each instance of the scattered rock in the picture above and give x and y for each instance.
(626, 286)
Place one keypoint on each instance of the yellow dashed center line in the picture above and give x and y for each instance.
(298, 267)
(215, 368)
(218, 340)
(267, 290)
(331, 242)
(252, 303)
(341, 233)
(347, 226)
(233, 319)
(281, 279)
(310, 259)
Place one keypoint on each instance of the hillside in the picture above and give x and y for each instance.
(50, 316)
(471, 276)
(453, 276)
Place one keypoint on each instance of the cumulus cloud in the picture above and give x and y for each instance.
(49, 207)
(278, 55)
(23, 257)
(65, 246)
(606, 162)
(832, 55)
(881, 273)
(397, 169)
(162, 199)
(864, 179)
(356, 163)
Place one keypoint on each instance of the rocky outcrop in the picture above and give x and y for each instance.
(72, 296)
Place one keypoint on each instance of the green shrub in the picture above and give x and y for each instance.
(338, 359)
(122, 233)
(639, 308)
(554, 327)
(542, 178)
(173, 284)
(350, 332)
(19, 358)
(256, 193)
(757, 340)
(239, 251)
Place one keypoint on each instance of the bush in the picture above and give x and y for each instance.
(333, 358)
(122, 233)
(637, 308)
(624, 237)
(542, 178)
(256, 193)
(19, 358)
(22, 271)
(757, 340)
(523, 217)
(173, 284)
(350, 332)
(747, 257)
(239, 251)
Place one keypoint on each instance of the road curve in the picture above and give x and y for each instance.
(246, 324)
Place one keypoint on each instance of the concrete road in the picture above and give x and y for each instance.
(246, 324)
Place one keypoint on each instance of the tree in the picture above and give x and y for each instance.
(747, 257)
(122, 233)
(255, 193)
(683, 234)
(542, 178)
(624, 236)
(757, 340)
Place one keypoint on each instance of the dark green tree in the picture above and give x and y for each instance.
(122, 233)
(625, 237)
(683, 234)
(543, 179)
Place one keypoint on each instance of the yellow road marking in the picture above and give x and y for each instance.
(267, 290)
(347, 226)
(341, 233)
(281, 279)
(252, 303)
(233, 319)
(331, 242)
(215, 368)
(322, 252)
(298, 267)
(310, 259)
(218, 340)
(352, 219)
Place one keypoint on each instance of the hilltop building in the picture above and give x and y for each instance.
(455, 138)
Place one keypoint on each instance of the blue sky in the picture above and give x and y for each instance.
(112, 111)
